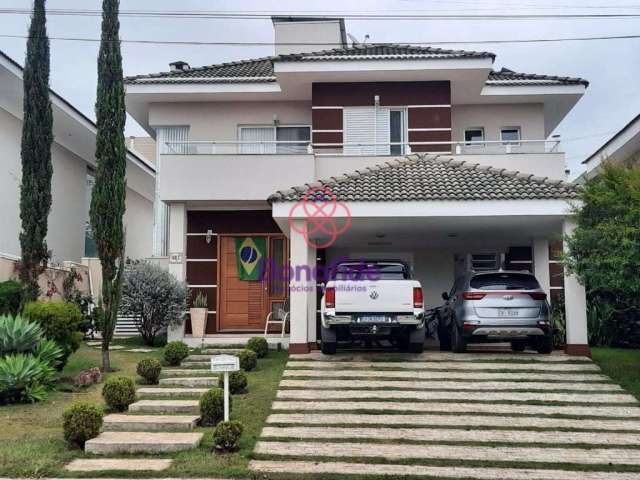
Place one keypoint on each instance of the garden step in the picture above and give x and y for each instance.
(130, 464)
(189, 372)
(198, 358)
(148, 423)
(221, 351)
(170, 392)
(195, 363)
(190, 381)
(165, 406)
(557, 367)
(130, 442)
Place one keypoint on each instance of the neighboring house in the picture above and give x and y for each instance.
(623, 147)
(230, 136)
(144, 147)
(74, 163)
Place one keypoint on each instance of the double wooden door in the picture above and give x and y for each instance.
(244, 305)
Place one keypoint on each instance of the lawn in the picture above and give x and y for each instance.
(31, 443)
(622, 365)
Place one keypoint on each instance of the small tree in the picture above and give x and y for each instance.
(109, 191)
(37, 136)
(154, 297)
(604, 251)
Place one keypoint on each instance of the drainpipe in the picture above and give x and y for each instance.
(376, 104)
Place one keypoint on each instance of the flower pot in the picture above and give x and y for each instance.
(198, 321)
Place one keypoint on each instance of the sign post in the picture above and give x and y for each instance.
(225, 364)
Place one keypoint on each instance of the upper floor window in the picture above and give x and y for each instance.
(510, 135)
(474, 135)
(275, 139)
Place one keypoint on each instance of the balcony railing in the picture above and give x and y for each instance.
(485, 147)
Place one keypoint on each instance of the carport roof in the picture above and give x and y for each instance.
(429, 177)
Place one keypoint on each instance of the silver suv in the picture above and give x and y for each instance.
(495, 306)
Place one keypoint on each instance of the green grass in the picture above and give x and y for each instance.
(622, 365)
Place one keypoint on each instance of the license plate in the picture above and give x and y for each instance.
(508, 312)
(373, 319)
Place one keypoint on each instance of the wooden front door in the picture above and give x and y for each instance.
(244, 305)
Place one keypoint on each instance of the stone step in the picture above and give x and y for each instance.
(445, 357)
(188, 372)
(220, 351)
(449, 366)
(166, 406)
(195, 363)
(142, 442)
(190, 381)
(148, 423)
(170, 392)
(198, 358)
(125, 464)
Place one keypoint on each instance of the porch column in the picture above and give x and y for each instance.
(541, 263)
(312, 300)
(300, 284)
(575, 305)
(177, 253)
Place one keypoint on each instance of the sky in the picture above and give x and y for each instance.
(611, 66)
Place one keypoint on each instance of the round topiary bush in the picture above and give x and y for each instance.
(226, 436)
(258, 345)
(248, 359)
(119, 393)
(149, 369)
(237, 382)
(175, 353)
(212, 407)
(81, 422)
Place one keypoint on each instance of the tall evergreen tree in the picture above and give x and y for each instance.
(37, 136)
(109, 191)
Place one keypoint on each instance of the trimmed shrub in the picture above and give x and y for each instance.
(149, 369)
(81, 422)
(258, 345)
(60, 322)
(10, 297)
(212, 407)
(237, 382)
(119, 393)
(248, 359)
(226, 436)
(175, 352)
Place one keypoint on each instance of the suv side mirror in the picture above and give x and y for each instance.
(445, 296)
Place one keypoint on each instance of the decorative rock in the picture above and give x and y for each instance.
(88, 377)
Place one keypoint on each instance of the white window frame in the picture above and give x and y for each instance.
(405, 128)
(274, 129)
(515, 143)
(473, 145)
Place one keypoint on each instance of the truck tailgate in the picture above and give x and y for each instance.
(381, 296)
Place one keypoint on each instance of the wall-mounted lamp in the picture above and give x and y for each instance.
(376, 100)
(209, 236)
(276, 122)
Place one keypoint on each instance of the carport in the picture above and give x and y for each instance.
(440, 215)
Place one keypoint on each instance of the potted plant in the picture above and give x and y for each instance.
(199, 315)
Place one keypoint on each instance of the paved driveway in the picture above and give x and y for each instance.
(482, 416)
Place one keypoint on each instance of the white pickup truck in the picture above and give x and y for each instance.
(373, 299)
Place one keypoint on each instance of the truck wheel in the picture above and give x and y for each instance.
(518, 345)
(416, 347)
(416, 340)
(329, 348)
(458, 343)
(545, 344)
(444, 337)
(329, 339)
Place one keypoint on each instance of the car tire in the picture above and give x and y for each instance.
(458, 343)
(329, 348)
(444, 337)
(329, 343)
(416, 347)
(518, 345)
(545, 345)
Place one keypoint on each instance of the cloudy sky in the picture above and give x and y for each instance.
(612, 66)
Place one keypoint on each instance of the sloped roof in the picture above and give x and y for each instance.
(429, 177)
(506, 77)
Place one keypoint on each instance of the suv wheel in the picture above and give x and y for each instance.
(545, 344)
(518, 345)
(458, 343)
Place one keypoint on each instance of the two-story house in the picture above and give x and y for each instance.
(435, 157)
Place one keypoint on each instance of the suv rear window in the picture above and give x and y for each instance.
(504, 281)
(368, 270)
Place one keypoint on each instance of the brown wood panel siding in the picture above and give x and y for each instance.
(430, 137)
(555, 249)
(557, 295)
(197, 247)
(250, 221)
(327, 137)
(212, 297)
(556, 275)
(391, 93)
(520, 258)
(326, 119)
(429, 117)
(202, 273)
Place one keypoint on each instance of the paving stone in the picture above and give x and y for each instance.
(585, 397)
(594, 456)
(165, 406)
(94, 344)
(221, 351)
(148, 423)
(441, 375)
(198, 358)
(189, 372)
(195, 363)
(444, 356)
(442, 385)
(448, 366)
(131, 464)
(468, 408)
(140, 350)
(190, 381)
(170, 392)
(400, 471)
(467, 420)
(133, 442)
(454, 435)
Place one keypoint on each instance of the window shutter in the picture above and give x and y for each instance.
(362, 125)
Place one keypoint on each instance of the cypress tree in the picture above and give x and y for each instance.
(109, 191)
(37, 137)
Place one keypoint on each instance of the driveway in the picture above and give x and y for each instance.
(482, 416)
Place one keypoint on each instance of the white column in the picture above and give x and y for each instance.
(575, 300)
(312, 299)
(541, 263)
(177, 252)
(299, 296)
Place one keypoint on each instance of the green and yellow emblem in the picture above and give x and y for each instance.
(250, 254)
